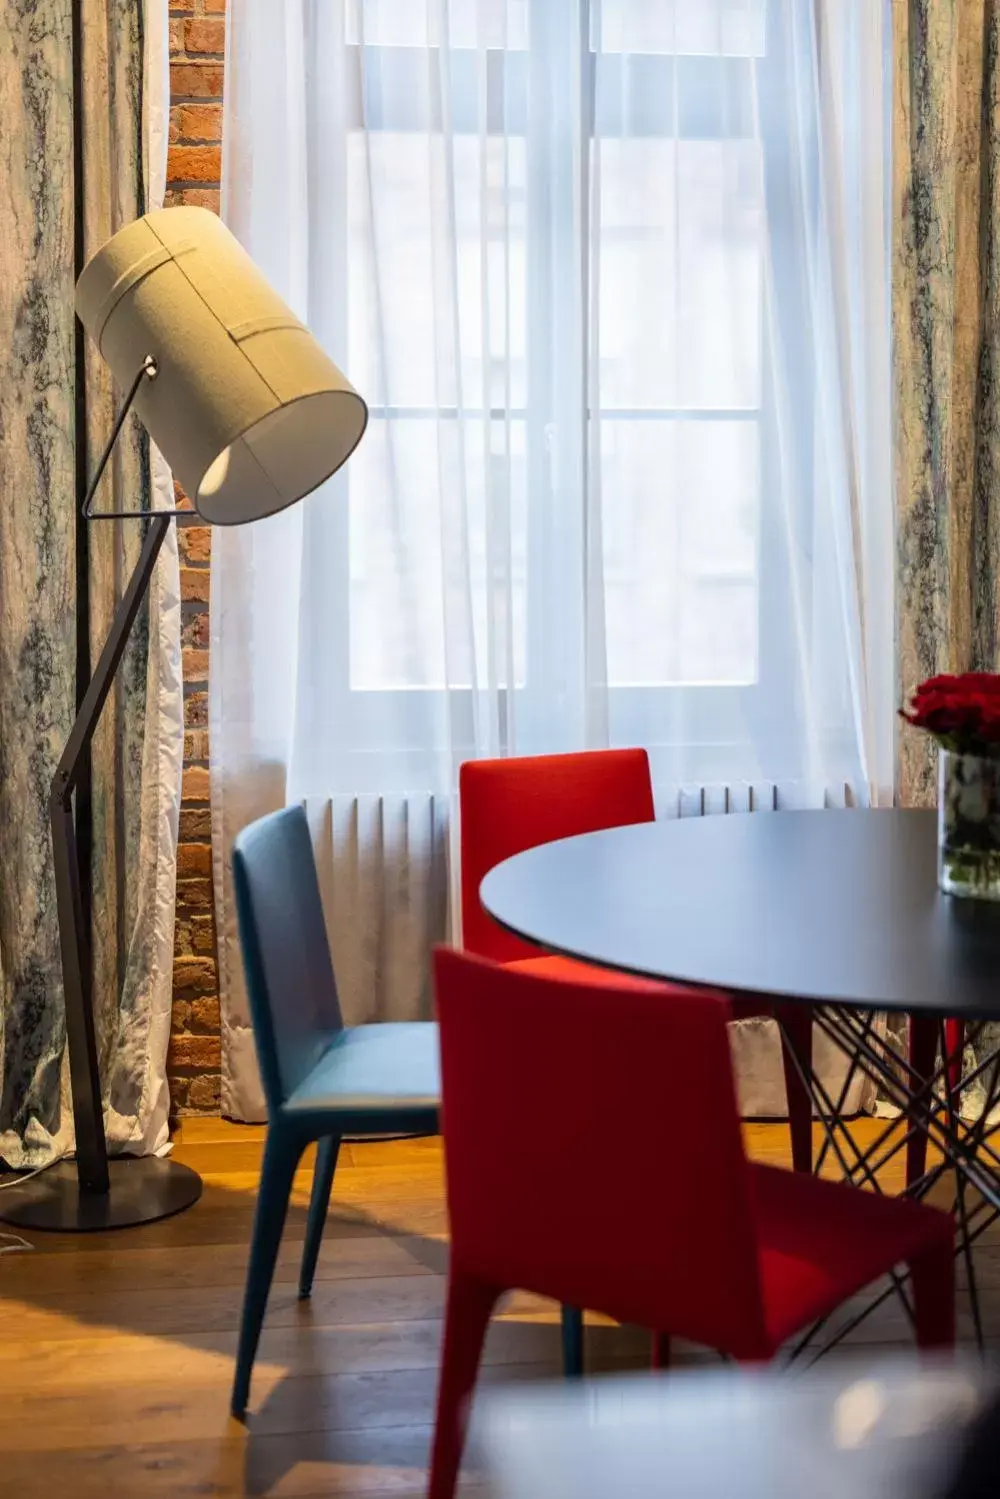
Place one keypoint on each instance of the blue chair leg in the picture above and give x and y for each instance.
(319, 1201)
(572, 1342)
(281, 1156)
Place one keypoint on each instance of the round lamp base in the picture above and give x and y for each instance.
(143, 1189)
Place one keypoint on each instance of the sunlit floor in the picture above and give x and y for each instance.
(116, 1352)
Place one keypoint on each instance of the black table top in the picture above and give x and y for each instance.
(827, 907)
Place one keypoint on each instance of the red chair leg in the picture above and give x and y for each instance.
(797, 1022)
(954, 1040)
(467, 1317)
(661, 1350)
(933, 1278)
(923, 1052)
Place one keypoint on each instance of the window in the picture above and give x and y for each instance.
(578, 245)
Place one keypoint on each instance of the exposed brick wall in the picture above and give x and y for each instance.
(197, 41)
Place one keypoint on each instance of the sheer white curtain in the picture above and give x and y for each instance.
(612, 276)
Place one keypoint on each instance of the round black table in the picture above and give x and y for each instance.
(838, 910)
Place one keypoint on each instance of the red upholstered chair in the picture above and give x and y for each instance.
(512, 804)
(679, 1233)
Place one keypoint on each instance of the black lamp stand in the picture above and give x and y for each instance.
(96, 1193)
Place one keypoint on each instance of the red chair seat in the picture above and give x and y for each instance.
(819, 1245)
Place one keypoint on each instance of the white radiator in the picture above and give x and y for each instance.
(383, 864)
(384, 872)
(386, 876)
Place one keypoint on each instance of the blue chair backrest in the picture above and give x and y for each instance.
(286, 957)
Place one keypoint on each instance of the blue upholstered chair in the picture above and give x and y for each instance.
(322, 1079)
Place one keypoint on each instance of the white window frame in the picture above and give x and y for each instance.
(704, 710)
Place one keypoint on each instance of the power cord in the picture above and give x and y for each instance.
(13, 1243)
(25, 1176)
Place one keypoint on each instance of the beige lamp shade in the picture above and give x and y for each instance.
(247, 409)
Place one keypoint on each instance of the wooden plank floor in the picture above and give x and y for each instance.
(116, 1355)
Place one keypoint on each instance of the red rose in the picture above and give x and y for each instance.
(962, 711)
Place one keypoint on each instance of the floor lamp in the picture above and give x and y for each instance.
(251, 415)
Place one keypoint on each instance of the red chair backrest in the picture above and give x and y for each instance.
(583, 1163)
(509, 805)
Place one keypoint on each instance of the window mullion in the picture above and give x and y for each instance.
(555, 365)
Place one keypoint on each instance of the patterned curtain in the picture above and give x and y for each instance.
(946, 322)
(53, 573)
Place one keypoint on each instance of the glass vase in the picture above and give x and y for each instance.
(969, 826)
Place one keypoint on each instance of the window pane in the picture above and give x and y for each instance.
(680, 273)
(438, 533)
(420, 23)
(717, 28)
(433, 211)
(680, 503)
